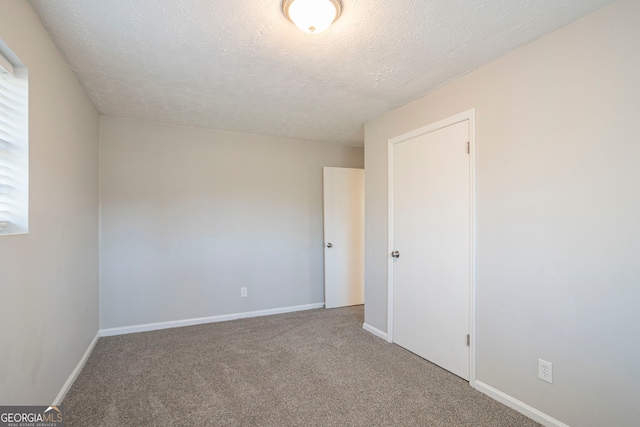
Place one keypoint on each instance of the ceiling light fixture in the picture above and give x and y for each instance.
(312, 16)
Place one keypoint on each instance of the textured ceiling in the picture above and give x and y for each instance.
(239, 65)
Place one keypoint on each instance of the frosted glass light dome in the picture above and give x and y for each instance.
(312, 16)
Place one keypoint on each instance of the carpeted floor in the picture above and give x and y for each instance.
(312, 368)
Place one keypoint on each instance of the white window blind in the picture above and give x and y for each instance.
(14, 144)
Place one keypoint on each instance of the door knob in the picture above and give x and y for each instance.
(395, 254)
(329, 245)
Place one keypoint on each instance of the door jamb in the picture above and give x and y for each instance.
(466, 115)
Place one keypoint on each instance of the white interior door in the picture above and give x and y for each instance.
(431, 232)
(343, 236)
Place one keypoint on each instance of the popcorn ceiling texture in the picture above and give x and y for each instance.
(242, 66)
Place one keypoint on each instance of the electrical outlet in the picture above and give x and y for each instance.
(545, 371)
(243, 292)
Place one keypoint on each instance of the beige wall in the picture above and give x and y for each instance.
(49, 277)
(558, 187)
(188, 216)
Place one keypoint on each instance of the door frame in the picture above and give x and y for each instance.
(469, 115)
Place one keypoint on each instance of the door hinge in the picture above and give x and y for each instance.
(468, 147)
(468, 340)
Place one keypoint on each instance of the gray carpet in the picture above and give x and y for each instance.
(312, 368)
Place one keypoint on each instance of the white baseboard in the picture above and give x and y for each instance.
(202, 320)
(519, 406)
(76, 371)
(375, 331)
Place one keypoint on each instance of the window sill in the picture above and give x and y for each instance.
(9, 229)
